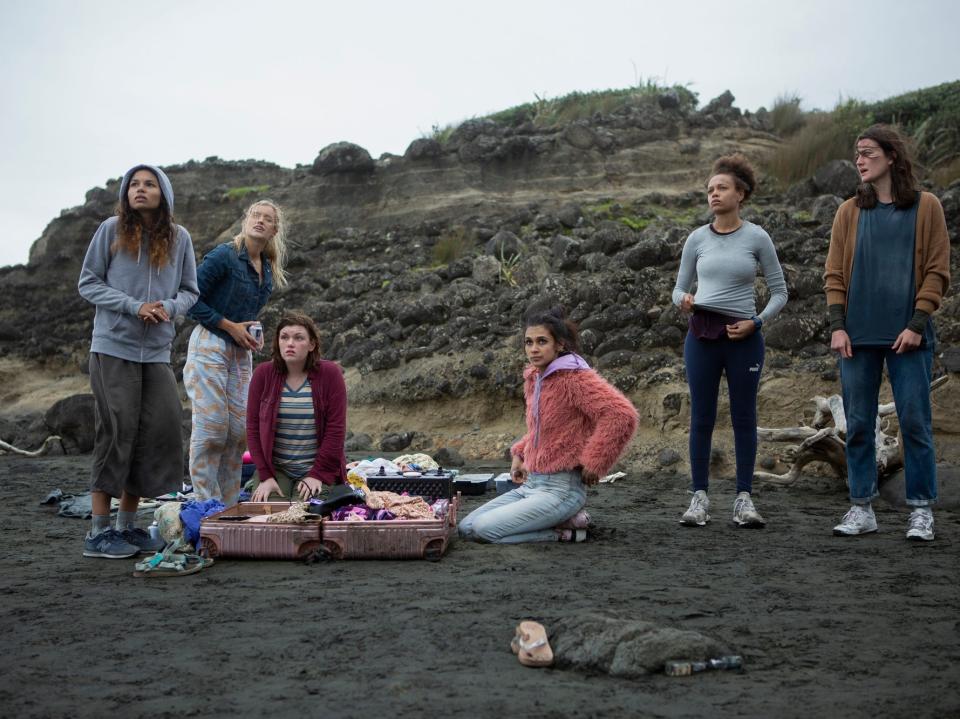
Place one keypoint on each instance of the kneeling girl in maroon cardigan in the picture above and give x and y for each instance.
(296, 415)
(577, 426)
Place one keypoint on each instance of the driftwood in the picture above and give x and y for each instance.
(44, 448)
(825, 439)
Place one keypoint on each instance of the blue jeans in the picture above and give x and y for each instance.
(529, 512)
(860, 378)
(742, 362)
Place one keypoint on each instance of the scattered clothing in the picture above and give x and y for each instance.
(193, 512)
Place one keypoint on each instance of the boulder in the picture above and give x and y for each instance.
(448, 457)
(73, 419)
(569, 215)
(504, 244)
(792, 333)
(396, 441)
(359, 442)
(837, 177)
(423, 148)
(825, 207)
(486, 271)
(647, 253)
(342, 157)
(566, 251)
(668, 457)
(580, 135)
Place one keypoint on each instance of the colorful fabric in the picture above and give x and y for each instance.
(191, 513)
(570, 362)
(216, 377)
(584, 422)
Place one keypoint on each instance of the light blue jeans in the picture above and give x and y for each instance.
(860, 377)
(528, 513)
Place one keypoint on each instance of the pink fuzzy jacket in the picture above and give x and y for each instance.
(584, 422)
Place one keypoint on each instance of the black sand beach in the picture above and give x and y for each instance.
(862, 627)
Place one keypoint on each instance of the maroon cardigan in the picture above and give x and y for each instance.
(329, 411)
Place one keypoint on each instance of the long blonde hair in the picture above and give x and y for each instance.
(276, 248)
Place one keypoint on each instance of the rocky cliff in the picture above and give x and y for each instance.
(417, 268)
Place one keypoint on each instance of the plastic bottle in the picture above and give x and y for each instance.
(154, 530)
(683, 669)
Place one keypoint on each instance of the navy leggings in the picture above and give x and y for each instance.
(742, 361)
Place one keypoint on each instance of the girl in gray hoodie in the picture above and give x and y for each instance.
(140, 273)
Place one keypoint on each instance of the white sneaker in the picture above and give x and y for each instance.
(859, 520)
(745, 514)
(921, 524)
(696, 515)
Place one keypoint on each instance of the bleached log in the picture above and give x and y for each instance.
(784, 434)
(825, 443)
(44, 448)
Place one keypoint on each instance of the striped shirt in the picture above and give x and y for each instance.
(295, 440)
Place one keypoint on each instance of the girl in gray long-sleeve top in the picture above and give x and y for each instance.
(724, 331)
(140, 273)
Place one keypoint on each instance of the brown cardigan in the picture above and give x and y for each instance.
(931, 261)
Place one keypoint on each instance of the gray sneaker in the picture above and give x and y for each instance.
(921, 524)
(745, 514)
(109, 544)
(697, 513)
(141, 539)
(859, 520)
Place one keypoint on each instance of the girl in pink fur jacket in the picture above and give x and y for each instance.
(577, 426)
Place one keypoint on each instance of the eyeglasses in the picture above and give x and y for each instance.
(267, 219)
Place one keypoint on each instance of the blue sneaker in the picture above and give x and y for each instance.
(142, 540)
(109, 544)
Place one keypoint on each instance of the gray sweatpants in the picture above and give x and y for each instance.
(138, 447)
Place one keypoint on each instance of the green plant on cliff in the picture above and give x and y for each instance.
(454, 243)
(508, 268)
(930, 117)
(545, 112)
(786, 115)
(825, 136)
(238, 193)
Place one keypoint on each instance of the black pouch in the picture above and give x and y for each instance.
(339, 495)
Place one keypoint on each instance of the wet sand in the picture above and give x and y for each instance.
(853, 627)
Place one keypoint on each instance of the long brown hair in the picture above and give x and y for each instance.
(903, 183)
(131, 229)
(288, 320)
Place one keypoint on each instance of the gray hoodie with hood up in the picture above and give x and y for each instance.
(118, 283)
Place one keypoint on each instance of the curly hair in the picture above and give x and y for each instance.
(301, 319)
(554, 318)
(740, 169)
(903, 182)
(131, 228)
(276, 249)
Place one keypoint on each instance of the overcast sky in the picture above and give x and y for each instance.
(93, 87)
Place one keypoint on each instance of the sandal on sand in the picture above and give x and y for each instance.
(531, 646)
(572, 535)
(168, 563)
(581, 520)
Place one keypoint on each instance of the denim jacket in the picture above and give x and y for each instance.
(230, 287)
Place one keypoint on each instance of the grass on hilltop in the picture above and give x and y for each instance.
(930, 117)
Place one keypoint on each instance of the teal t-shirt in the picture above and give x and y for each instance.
(882, 294)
